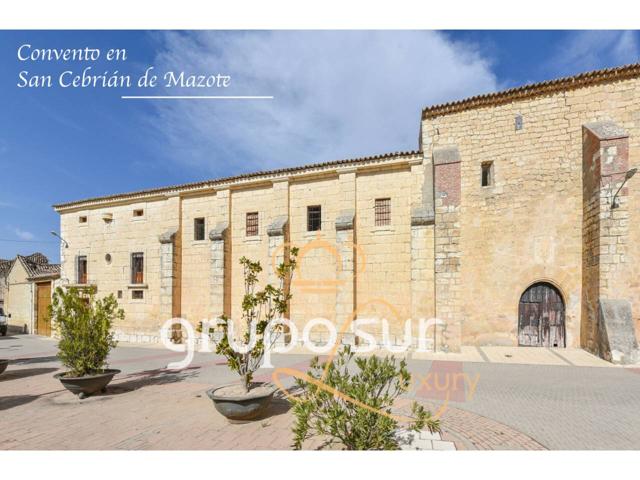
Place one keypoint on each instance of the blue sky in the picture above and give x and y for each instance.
(336, 95)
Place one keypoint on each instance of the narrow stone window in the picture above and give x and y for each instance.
(314, 218)
(383, 212)
(487, 174)
(252, 224)
(137, 294)
(519, 122)
(82, 219)
(120, 294)
(198, 229)
(81, 269)
(137, 268)
(138, 212)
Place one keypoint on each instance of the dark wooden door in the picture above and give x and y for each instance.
(541, 317)
(43, 300)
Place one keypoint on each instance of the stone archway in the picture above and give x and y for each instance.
(541, 317)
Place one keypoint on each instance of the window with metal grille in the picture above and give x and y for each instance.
(198, 229)
(314, 218)
(252, 224)
(487, 174)
(383, 211)
(81, 269)
(137, 294)
(137, 267)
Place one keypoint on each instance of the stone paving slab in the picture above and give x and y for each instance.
(519, 356)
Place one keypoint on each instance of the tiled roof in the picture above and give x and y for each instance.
(534, 89)
(37, 266)
(5, 266)
(246, 176)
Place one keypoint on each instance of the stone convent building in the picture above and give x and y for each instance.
(506, 223)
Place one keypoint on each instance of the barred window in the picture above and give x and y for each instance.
(314, 218)
(383, 211)
(252, 224)
(198, 229)
(137, 267)
(137, 294)
(81, 269)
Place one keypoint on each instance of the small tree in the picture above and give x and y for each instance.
(377, 384)
(84, 324)
(259, 308)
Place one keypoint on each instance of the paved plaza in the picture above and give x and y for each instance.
(541, 399)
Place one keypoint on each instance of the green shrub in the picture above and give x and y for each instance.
(376, 383)
(259, 308)
(83, 324)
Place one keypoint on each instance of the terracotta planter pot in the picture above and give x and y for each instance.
(3, 365)
(242, 407)
(87, 385)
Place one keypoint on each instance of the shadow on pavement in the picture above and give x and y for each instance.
(24, 373)
(31, 360)
(15, 401)
(160, 376)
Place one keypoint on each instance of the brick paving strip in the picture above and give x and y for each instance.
(471, 431)
(163, 410)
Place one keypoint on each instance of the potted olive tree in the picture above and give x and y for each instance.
(83, 325)
(247, 399)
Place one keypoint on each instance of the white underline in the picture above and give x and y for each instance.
(197, 97)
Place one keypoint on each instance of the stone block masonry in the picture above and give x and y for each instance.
(507, 193)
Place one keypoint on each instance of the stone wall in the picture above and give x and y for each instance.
(343, 272)
(114, 230)
(455, 249)
(19, 300)
(527, 225)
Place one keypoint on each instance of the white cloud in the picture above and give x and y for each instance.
(337, 94)
(594, 49)
(23, 234)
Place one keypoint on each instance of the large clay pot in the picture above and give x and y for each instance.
(3, 365)
(239, 406)
(87, 385)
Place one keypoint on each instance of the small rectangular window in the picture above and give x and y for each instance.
(198, 229)
(81, 269)
(487, 174)
(519, 122)
(252, 224)
(137, 267)
(82, 219)
(119, 294)
(383, 212)
(137, 294)
(138, 212)
(314, 218)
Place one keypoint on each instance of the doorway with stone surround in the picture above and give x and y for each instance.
(541, 317)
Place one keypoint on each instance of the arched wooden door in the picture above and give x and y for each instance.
(541, 317)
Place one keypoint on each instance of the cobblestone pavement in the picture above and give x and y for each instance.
(489, 406)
